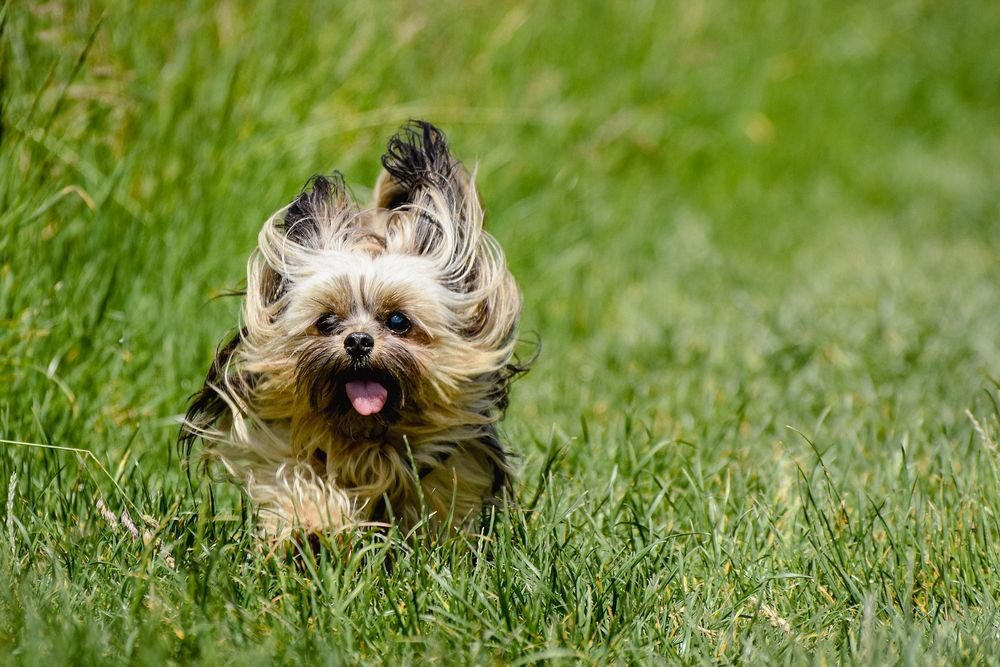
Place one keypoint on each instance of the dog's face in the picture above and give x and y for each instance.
(373, 337)
(389, 322)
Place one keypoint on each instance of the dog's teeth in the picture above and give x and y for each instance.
(368, 398)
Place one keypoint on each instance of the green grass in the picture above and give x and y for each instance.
(758, 241)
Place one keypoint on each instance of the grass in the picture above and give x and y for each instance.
(759, 243)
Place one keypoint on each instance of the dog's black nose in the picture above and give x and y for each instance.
(359, 344)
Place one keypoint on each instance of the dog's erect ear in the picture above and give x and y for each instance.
(417, 161)
(312, 221)
(442, 218)
(317, 211)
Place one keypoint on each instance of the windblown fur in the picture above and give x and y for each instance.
(375, 354)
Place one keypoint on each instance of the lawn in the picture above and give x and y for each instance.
(758, 241)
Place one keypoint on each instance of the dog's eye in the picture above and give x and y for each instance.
(327, 324)
(397, 323)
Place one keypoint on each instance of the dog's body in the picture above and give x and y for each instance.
(375, 355)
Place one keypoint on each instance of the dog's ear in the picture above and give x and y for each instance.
(440, 216)
(417, 161)
(312, 221)
(223, 390)
(317, 212)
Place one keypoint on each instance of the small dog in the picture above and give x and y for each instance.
(375, 355)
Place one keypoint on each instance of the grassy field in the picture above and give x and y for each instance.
(760, 244)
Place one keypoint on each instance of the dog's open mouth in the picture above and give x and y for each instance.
(368, 392)
(367, 397)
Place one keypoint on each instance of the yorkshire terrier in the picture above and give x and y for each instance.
(374, 358)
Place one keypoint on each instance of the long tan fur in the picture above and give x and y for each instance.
(273, 410)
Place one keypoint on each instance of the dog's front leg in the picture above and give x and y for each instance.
(294, 500)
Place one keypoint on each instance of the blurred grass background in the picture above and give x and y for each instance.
(727, 219)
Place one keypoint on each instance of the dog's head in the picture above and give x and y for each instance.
(399, 315)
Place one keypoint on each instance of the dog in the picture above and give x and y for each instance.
(374, 358)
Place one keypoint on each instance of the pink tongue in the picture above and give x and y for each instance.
(366, 397)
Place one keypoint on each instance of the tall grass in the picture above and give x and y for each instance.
(757, 240)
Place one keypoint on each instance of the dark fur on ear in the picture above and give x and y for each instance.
(207, 406)
(421, 177)
(314, 208)
(305, 220)
(417, 158)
